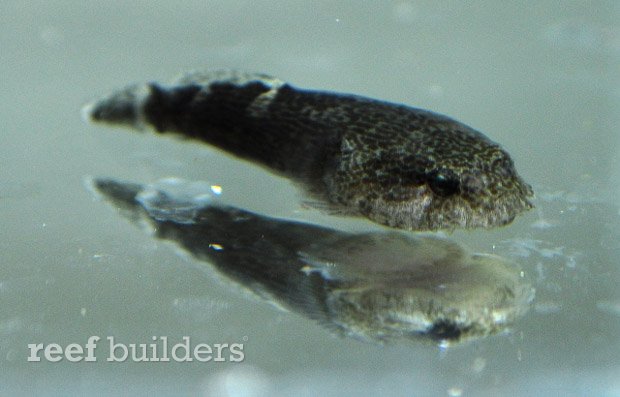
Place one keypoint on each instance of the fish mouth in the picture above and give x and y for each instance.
(428, 212)
(502, 213)
(487, 212)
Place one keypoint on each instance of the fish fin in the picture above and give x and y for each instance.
(313, 264)
(328, 208)
(330, 271)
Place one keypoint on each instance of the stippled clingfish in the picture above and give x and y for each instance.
(396, 165)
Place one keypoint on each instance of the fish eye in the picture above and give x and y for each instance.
(443, 183)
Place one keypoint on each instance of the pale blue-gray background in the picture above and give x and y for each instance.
(539, 77)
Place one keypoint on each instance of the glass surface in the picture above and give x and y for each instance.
(540, 78)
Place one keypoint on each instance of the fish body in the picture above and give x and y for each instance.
(396, 165)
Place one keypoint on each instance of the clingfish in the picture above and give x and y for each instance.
(396, 165)
(375, 287)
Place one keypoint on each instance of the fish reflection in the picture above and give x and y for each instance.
(370, 286)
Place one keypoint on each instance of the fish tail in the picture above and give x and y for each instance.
(229, 110)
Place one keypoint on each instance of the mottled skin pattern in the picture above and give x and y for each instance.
(396, 165)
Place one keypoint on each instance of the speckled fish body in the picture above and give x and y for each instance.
(396, 165)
